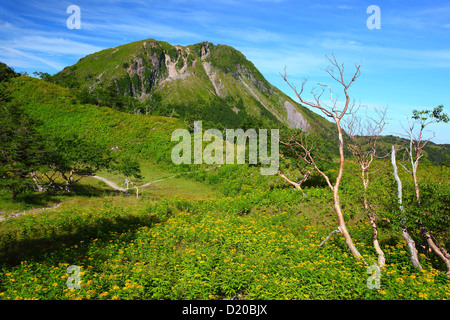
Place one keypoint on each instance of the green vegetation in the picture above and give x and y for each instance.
(255, 246)
(21, 148)
(212, 83)
(193, 232)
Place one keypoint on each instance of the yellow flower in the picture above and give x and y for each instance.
(382, 291)
(54, 284)
(423, 295)
(400, 280)
(103, 294)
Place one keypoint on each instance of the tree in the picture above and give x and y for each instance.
(43, 76)
(362, 143)
(417, 142)
(21, 148)
(72, 155)
(415, 152)
(405, 234)
(291, 140)
(6, 72)
(336, 71)
(129, 168)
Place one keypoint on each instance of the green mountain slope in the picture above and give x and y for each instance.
(60, 113)
(213, 83)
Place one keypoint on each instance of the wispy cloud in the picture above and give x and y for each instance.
(22, 59)
(52, 46)
(251, 34)
(28, 51)
(344, 7)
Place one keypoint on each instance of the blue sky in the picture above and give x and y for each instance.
(405, 64)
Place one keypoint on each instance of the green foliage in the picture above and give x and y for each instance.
(205, 249)
(129, 168)
(22, 150)
(43, 76)
(382, 192)
(218, 113)
(60, 113)
(435, 115)
(108, 97)
(73, 154)
(7, 73)
(74, 138)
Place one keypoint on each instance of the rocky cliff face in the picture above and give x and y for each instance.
(183, 77)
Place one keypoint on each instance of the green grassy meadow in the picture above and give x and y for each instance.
(174, 245)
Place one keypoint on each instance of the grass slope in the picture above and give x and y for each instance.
(145, 137)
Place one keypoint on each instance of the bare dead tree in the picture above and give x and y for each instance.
(418, 142)
(405, 234)
(297, 185)
(292, 137)
(336, 71)
(362, 143)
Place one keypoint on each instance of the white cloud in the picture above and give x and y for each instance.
(20, 59)
(52, 46)
(344, 7)
(295, 59)
(143, 30)
(251, 34)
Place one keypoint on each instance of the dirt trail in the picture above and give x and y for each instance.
(110, 183)
(116, 187)
(8, 216)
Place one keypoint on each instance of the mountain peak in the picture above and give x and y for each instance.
(215, 82)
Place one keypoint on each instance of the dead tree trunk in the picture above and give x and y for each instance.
(329, 236)
(416, 146)
(336, 115)
(373, 224)
(363, 137)
(443, 255)
(409, 241)
(297, 185)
